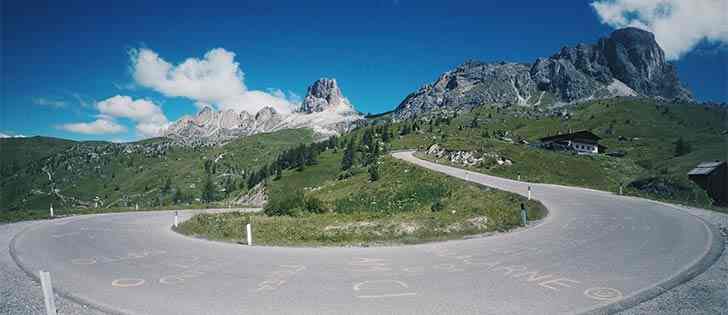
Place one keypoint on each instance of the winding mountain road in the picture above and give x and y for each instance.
(595, 252)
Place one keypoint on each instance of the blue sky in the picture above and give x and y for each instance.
(59, 59)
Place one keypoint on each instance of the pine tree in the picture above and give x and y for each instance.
(229, 186)
(252, 179)
(367, 138)
(279, 173)
(405, 130)
(348, 160)
(682, 147)
(167, 186)
(386, 137)
(177, 196)
(373, 172)
(208, 190)
(372, 153)
(301, 162)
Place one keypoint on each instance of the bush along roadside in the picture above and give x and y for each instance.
(405, 204)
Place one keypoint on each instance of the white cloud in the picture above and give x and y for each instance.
(5, 135)
(678, 25)
(149, 118)
(98, 126)
(48, 102)
(215, 79)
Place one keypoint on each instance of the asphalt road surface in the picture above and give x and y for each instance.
(595, 252)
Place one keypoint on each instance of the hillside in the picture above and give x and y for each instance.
(150, 173)
(644, 130)
(16, 153)
(377, 200)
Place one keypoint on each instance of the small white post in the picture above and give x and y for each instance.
(51, 210)
(529, 192)
(249, 234)
(45, 282)
(519, 177)
(620, 189)
(136, 207)
(176, 220)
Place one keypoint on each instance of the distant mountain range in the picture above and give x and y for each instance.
(324, 110)
(627, 63)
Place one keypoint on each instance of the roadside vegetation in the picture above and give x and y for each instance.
(652, 144)
(348, 191)
(351, 192)
(406, 204)
(90, 177)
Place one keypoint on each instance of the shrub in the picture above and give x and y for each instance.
(373, 172)
(344, 175)
(208, 190)
(314, 205)
(284, 204)
(682, 147)
(437, 206)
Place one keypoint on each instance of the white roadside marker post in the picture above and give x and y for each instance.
(136, 207)
(51, 210)
(524, 215)
(249, 234)
(519, 177)
(45, 282)
(529, 192)
(176, 220)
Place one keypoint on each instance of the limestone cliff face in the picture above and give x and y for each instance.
(325, 110)
(325, 95)
(627, 63)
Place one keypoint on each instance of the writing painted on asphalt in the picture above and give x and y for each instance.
(112, 259)
(278, 277)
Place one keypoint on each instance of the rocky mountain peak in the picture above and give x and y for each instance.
(205, 115)
(324, 95)
(627, 63)
(206, 110)
(325, 110)
(265, 113)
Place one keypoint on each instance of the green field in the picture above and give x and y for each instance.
(398, 208)
(644, 129)
(151, 173)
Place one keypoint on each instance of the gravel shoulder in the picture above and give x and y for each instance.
(707, 293)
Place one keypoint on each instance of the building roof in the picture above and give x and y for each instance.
(705, 168)
(579, 135)
(710, 164)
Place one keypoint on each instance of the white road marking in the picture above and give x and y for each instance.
(127, 282)
(376, 285)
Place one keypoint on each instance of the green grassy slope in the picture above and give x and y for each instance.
(122, 175)
(395, 209)
(645, 129)
(17, 153)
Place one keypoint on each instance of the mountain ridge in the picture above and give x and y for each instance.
(627, 63)
(324, 110)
